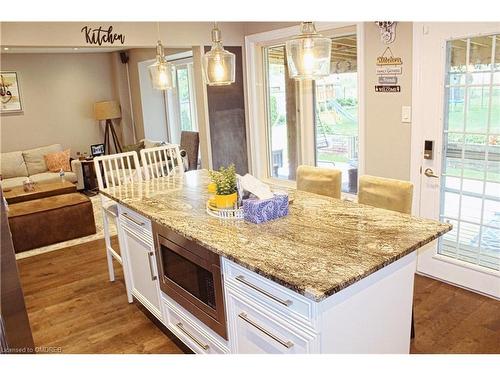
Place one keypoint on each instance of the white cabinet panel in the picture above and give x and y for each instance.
(193, 333)
(137, 249)
(280, 300)
(257, 331)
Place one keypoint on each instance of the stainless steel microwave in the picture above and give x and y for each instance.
(190, 274)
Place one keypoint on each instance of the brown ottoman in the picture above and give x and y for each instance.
(45, 221)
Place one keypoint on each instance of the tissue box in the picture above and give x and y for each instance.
(261, 210)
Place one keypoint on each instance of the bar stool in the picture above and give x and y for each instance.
(322, 181)
(390, 194)
(113, 171)
(387, 193)
(161, 161)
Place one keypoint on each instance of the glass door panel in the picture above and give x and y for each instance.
(336, 113)
(470, 194)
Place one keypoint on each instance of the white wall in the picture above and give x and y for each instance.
(58, 93)
(387, 139)
(137, 34)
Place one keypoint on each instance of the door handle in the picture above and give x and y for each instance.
(430, 173)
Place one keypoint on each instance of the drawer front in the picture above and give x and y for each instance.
(190, 332)
(135, 222)
(255, 331)
(275, 297)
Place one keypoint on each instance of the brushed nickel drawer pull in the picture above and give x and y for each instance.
(150, 257)
(286, 344)
(140, 223)
(190, 335)
(241, 279)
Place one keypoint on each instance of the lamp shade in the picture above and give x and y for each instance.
(218, 64)
(308, 54)
(107, 110)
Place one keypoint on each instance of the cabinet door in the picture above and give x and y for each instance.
(255, 331)
(141, 262)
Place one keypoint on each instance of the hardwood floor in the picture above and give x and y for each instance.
(454, 320)
(72, 306)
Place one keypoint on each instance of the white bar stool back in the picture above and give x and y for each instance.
(161, 161)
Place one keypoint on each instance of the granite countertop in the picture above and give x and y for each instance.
(320, 248)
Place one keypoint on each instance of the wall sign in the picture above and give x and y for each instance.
(10, 99)
(384, 80)
(389, 88)
(387, 31)
(100, 35)
(389, 70)
(388, 66)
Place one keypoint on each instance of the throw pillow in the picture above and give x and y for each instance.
(58, 160)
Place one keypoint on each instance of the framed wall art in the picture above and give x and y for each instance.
(10, 97)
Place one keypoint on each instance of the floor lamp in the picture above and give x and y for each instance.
(108, 111)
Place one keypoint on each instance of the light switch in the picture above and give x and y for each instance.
(406, 114)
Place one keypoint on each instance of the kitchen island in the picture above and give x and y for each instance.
(332, 277)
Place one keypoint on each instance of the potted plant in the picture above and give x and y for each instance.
(225, 186)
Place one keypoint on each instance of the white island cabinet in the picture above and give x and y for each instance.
(370, 316)
(330, 277)
(138, 255)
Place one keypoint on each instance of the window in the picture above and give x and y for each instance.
(181, 105)
(281, 134)
(185, 88)
(471, 152)
(336, 113)
(305, 122)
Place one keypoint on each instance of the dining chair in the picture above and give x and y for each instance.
(387, 193)
(323, 181)
(390, 194)
(190, 142)
(161, 161)
(114, 171)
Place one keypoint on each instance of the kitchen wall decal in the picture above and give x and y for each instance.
(101, 35)
(10, 99)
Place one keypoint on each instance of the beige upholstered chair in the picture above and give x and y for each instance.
(394, 195)
(323, 181)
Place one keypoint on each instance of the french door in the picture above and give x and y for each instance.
(457, 150)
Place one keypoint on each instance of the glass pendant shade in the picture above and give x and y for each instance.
(218, 64)
(308, 54)
(162, 73)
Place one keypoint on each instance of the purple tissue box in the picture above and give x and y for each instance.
(261, 210)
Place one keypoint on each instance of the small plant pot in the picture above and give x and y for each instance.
(226, 201)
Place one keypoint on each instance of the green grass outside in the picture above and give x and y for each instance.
(477, 115)
(474, 173)
(344, 127)
(327, 157)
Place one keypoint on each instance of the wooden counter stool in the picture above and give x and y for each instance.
(322, 181)
(390, 194)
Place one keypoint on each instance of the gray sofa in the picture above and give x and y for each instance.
(16, 166)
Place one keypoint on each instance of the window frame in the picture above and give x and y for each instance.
(257, 99)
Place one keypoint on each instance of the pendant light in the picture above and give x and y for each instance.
(162, 73)
(308, 54)
(218, 64)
